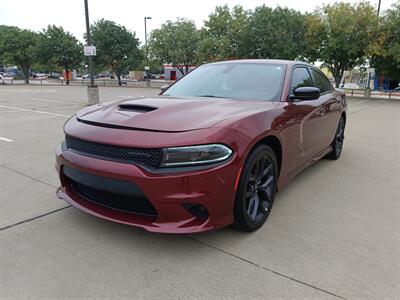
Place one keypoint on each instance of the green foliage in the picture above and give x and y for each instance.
(18, 47)
(277, 33)
(175, 43)
(225, 35)
(345, 34)
(386, 46)
(57, 47)
(341, 36)
(154, 64)
(117, 47)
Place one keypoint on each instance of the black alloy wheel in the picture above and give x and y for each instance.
(337, 143)
(256, 190)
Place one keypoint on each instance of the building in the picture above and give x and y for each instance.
(173, 73)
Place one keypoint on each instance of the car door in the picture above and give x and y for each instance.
(332, 105)
(308, 120)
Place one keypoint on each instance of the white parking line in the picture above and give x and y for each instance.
(6, 139)
(35, 111)
(11, 111)
(52, 101)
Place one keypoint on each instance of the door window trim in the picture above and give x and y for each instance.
(290, 94)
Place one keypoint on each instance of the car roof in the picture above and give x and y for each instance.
(263, 61)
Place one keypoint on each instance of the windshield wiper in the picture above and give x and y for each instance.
(209, 96)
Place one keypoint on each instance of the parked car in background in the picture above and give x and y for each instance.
(87, 76)
(40, 76)
(148, 76)
(396, 89)
(211, 150)
(14, 75)
(351, 86)
(55, 75)
(106, 75)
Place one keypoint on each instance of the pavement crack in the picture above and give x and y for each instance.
(264, 268)
(34, 218)
(28, 176)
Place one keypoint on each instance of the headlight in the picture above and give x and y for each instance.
(194, 155)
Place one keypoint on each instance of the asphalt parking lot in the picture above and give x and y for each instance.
(334, 232)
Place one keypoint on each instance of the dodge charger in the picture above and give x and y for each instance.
(211, 150)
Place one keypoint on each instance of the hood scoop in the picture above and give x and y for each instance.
(136, 107)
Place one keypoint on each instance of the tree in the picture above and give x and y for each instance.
(385, 49)
(344, 36)
(59, 47)
(175, 43)
(277, 33)
(117, 47)
(225, 35)
(18, 47)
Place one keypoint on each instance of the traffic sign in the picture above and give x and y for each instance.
(89, 50)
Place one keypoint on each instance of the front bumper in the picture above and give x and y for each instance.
(212, 188)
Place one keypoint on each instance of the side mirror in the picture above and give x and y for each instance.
(164, 88)
(306, 93)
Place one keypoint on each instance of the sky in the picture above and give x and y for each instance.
(70, 14)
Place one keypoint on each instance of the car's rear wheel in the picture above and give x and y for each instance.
(337, 143)
(256, 190)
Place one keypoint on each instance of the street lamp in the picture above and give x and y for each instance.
(93, 91)
(145, 50)
(145, 36)
(379, 7)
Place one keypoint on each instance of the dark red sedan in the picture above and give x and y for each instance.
(210, 151)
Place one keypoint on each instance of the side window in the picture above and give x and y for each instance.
(328, 84)
(300, 77)
(321, 82)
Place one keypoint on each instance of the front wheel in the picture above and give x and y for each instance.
(337, 143)
(256, 190)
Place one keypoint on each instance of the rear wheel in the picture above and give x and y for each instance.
(337, 143)
(256, 190)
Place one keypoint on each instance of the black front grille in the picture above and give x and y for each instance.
(149, 157)
(112, 193)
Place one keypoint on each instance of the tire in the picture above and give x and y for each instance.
(337, 143)
(256, 190)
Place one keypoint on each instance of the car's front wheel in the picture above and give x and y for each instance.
(256, 190)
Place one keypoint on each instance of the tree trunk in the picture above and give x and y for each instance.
(66, 74)
(338, 74)
(337, 81)
(25, 70)
(181, 69)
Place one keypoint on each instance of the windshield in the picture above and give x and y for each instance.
(244, 81)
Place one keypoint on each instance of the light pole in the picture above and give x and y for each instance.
(93, 92)
(145, 51)
(379, 7)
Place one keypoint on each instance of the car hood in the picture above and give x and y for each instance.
(170, 114)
